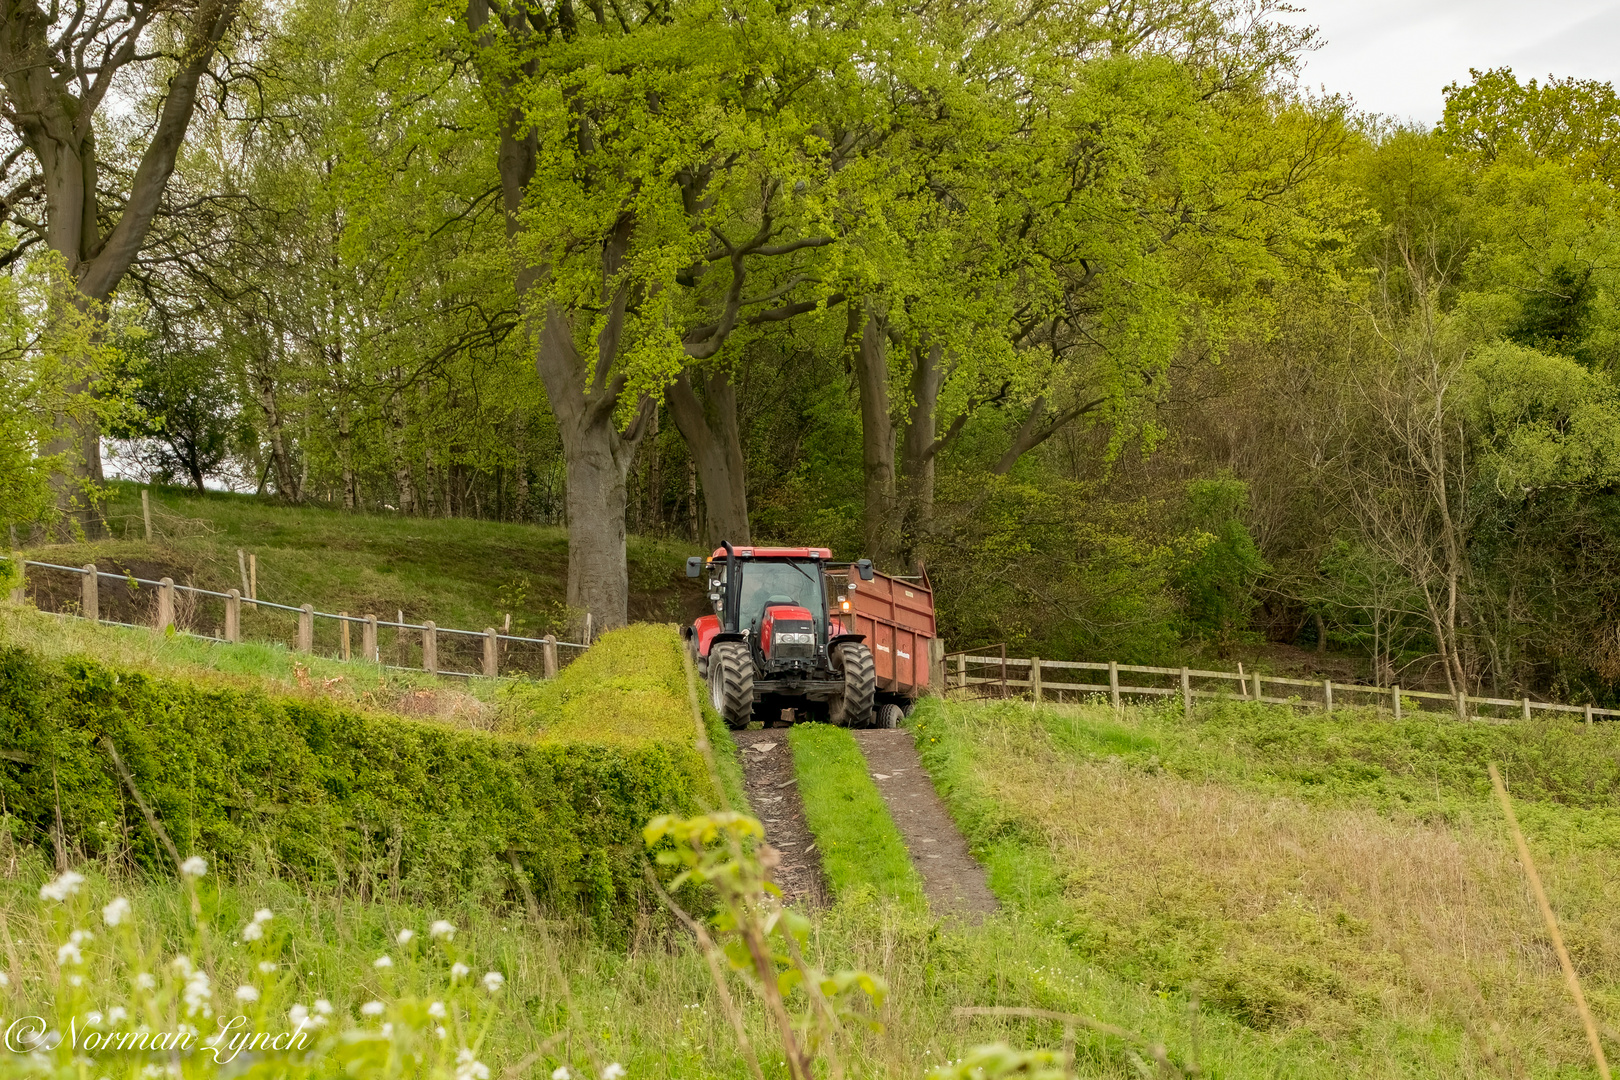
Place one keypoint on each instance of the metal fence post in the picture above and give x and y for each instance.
(1035, 678)
(1113, 683)
(548, 656)
(492, 652)
(1186, 694)
(343, 627)
(165, 611)
(1327, 695)
(430, 648)
(90, 594)
(233, 616)
(368, 638)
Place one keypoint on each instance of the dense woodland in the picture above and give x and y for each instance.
(1140, 347)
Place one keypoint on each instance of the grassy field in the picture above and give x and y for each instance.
(459, 573)
(1342, 887)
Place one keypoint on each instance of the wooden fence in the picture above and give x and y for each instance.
(229, 616)
(976, 672)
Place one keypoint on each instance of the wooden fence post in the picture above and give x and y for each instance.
(146, 513)
(343, 626)
(492, 652)
(1588, 717)
(1327, 695)
(1257, 696)
(165, 611)
(1186, 694)
(90, 594)
(233, 616)
(430, 647)
(241, 564)
(21, 564)
(1527, 708)
(1113, 683)
(548, 656)
(936, 665)
(368, 639)
(1035, 678)
(306, 628)
(961, 669)
(590, 628)
(1397, 701)
(253, 576)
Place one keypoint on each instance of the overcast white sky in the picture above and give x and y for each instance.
(1394, 56)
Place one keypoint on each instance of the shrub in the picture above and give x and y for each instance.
(329, 793)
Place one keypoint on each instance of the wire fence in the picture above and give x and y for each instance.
(984, 673)
(126, 600)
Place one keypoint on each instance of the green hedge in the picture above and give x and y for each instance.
(330, 794)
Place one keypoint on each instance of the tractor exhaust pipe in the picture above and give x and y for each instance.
(733, 597)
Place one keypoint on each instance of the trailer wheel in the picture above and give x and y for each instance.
(855, 707)
(890, 716)
(731, 683)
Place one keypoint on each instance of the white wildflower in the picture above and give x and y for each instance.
(69, 954)
(298, 1015)
(247, 993)
(371, 1008)
(93, 1018)
(436, 1010)
(267, 967)
(469, 1067)
(264, 914)
(493, 981)
(75, 980)
(5, 980)
(383, 961)
(117, 1015)
(252, 932)
(440, 1032)
(196, 866)
(62, 888)
(458, 970)
(197, 993)
(145, 981)
(388, 1029)
(323, 1007)
(182, 964)
(561, 1073)
(442, 928)
(116, 911)
(404, 936)
(614, 1071)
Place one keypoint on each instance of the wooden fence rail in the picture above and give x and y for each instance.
(980, 672)
(493, 649)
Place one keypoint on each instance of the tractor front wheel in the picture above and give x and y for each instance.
(731, 683)
(855, 707)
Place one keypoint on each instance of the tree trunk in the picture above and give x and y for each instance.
(655, 480)
(919, 448)
(715, 440)
(403, 480)
(264, 385)
(868, 334)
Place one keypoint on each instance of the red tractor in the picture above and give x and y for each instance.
(793, 630)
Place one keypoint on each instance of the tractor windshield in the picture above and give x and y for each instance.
(788, 580)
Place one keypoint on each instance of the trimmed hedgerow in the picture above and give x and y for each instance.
(329, 794)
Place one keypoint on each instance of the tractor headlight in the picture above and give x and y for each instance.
(792, 638)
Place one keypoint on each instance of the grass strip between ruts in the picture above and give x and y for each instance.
(860, 846)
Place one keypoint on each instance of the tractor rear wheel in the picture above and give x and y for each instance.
(855, 707)
(731, 683)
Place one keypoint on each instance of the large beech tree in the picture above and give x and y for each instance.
(61, 70)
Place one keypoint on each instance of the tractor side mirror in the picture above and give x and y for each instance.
(694, 566)
(865, 569)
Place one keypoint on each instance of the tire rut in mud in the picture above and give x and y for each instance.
(768, 781)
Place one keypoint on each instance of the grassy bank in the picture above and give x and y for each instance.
(460, 573)
(1340, 886)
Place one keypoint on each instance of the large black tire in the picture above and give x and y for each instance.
(856, 707)
(890, 716)
(731, 683)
